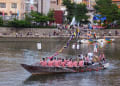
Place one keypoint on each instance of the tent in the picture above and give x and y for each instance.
(99, 17)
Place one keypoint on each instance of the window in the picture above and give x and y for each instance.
(14, 5)
(2, 5)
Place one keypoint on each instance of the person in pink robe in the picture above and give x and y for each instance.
(43, 63)
(50, 63)
(75, 63)
(63, 63)
(81, 63)
(56, 63)
(70, 63)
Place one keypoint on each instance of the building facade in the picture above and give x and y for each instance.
(41, 6)
(10, 9)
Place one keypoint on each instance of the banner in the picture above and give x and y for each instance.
(3, 13)
(18, 13)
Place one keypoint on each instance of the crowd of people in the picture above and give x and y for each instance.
(80, 61)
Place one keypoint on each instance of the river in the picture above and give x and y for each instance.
(12, 54)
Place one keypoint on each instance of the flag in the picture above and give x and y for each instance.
(32, 7)
(3, 13)
(18, 13)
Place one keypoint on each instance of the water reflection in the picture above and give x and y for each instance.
(101, 78)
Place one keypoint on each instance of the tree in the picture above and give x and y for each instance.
(80, 14)
(28, 19)
(38, 18)
(77, 10)
(1, 21)
(70, 8)
(51, 15)
(108, 9)
(18, 23)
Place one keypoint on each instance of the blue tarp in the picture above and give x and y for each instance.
(98, 17)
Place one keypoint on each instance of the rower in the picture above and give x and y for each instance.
(63, 63)
(81, 63)
(66, 61)
(56, 63)
(50, 63)
(86, 60)
(75, 63)
(43, 63)
(70, 63)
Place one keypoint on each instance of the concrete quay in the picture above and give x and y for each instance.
(34, 34)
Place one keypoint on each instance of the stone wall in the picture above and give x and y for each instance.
(11, 32)
(36, 32)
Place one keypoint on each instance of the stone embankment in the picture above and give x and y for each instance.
(7, 33)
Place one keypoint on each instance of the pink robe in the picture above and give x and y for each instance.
(70, 64)
(50, 63)
(81, 63)
(63, 64)
(56, 63)
(44, 63)
(75, 64)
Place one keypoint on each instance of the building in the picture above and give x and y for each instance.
(116, 2)
(77, 1)
(44, 6)
(10, 9)
(55, 4)
(89, 3)
(59, 9)
(41, 6)
(58, 15)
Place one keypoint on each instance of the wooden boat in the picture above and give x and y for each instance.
(86, 41)
(37, 69)
(91, 41)
(106, 40)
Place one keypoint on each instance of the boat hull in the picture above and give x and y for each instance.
(33, 69)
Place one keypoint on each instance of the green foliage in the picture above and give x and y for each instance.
(77, 10)
(106, 8)
(51, 15)
(18, 23)
(80, 13)
(28, 18)
(32, 19)
(39, 19)
(70, 9)
(1, 21)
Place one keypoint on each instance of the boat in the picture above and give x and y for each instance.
(106, 40)
(37, 69)
(91, 41)
(86, 41)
